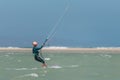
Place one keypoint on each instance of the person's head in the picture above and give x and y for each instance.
(34, 43)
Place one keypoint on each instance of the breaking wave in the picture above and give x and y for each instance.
(107, 47)
(10, 47)
(56, 47)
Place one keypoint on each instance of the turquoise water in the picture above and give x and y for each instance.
(61, 66)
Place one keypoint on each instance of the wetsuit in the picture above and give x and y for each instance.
(36, 54)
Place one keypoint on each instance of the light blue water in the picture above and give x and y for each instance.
(61, 66)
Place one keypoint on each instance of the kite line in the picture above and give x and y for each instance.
(53, 31)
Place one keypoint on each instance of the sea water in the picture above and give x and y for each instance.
(61, 66)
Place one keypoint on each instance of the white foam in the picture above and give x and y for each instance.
(21, 69)
(55, 67)
(59, 67)
(106, 55)
(56, 47)
(73, 66)
(47, 59)
(107, 48)
(10, 47)
(31, 75)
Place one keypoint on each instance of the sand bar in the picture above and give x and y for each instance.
(66, 50)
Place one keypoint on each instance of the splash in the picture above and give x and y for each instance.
(55, 67)
(47, 59)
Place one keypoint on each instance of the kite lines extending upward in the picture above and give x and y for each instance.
(53, 30)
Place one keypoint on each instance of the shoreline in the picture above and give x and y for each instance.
(65, 50)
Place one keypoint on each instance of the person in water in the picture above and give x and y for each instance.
(38, 57)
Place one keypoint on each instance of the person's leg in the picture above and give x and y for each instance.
(37, 58)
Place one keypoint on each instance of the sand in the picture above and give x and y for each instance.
(66, 50)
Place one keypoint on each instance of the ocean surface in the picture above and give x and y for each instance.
(61, 66)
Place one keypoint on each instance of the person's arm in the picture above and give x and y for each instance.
(38, 48)
(43, 44)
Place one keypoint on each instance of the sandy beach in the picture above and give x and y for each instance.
(65, 50)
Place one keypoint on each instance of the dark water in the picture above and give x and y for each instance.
(61, 66)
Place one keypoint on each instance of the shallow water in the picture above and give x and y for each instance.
(61, 66)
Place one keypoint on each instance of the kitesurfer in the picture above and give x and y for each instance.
(38, 57)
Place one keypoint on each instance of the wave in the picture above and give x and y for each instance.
(59, 67)
(21, 69)
(10, 47)
(55, 67)
(55, 47)
(61, 47)
(107, 47)
(73, 66)
(29, 75)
